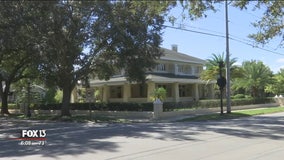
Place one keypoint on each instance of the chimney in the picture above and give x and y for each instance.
(175, 47)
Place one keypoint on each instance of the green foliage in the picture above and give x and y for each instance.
(234, 102)
(238, 96)
(58, 96)
(276, 87)
(79, 38)
(271, 23)
(255, 77)
(269, 26)
(50, 96)
(159, 93)
(13, 106)
(17, 52)
(212, 67)
(97, 95)
(116, 106)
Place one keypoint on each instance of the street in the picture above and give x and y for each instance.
(259, 137)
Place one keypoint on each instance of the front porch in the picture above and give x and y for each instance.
(135, 92)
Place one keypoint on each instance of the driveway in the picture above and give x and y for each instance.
(259, 137)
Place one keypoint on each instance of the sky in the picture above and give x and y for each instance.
(203, 46)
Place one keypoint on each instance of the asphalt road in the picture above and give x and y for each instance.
(259, 137)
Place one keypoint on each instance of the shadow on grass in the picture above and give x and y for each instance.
(76, 118)
(215, 116)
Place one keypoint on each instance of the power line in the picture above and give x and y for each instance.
(222, 36)
(193, 31)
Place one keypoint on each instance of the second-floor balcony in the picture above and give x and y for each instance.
(178, 69)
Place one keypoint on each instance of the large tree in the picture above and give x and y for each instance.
(17, 46)
(270, 25)
(255, 77)
(276, 87)
(84, 37)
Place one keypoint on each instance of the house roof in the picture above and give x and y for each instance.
(152, 77)
(172, 55)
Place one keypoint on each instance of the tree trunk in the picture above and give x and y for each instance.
(4, 97)
(4, 107)
(65, 110)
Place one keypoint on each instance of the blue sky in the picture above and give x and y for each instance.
(202, 46)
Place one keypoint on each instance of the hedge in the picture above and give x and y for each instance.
(99, 106)
(129, 106)
(211, 103)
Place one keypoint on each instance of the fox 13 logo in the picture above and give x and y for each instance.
(32, 137)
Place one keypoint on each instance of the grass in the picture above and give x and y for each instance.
(77, 118)
(234, 114)
(102, 119)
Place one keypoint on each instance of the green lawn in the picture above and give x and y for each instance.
(234, 114)
(76, 118)
(209, 117)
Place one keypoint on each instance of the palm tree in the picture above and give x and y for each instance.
(254, 78)
(276, 87)
(212, 67)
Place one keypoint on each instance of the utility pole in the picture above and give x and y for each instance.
(221, 82)
(228, 86)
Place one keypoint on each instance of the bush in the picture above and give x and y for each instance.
(159, 93)
(100, 106)
(234, 102)
(170, 106)
(238, 96)
(209, 103)
(13, 106)
(58, 96)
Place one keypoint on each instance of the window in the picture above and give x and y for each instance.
(180, 68)
(116, 92)
(197, 70)
(189, 70)
(182, 90)
(161, 67)
(138, 91)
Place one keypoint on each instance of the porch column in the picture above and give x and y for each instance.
(176, 92)
(126, 92)
(211, 91)
(74, 97)
(150, 89)
(105, 93)
(196, 92)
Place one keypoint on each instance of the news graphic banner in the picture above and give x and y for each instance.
(31, 137)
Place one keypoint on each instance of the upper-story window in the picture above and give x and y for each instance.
(197, 70)
(161, 67)
(181, 68)
(189, 70)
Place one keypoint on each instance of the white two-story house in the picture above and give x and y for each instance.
(178, 73)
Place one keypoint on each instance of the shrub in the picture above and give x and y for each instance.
(239, 96)
(159, 93)
(234, 102)
(58, 96)
(100, 106)
(13, 106)
(170, 106)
